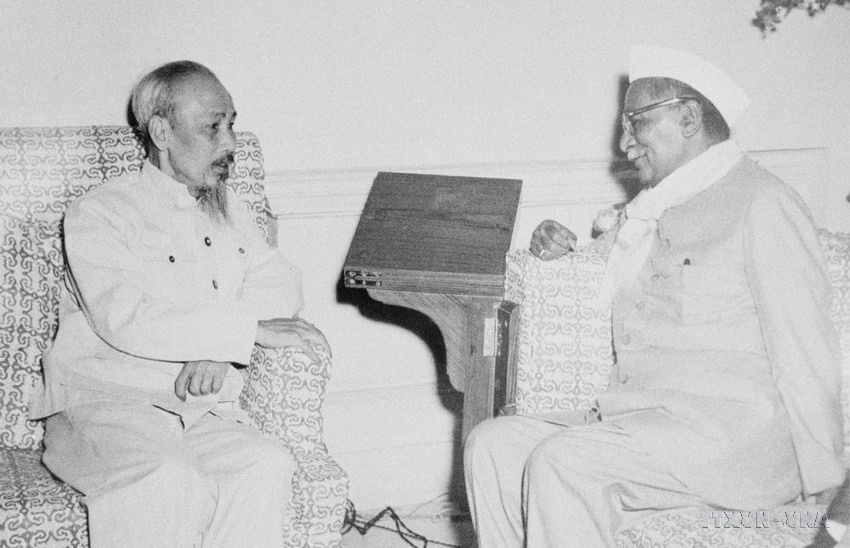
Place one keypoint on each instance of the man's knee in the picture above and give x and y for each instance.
(271, 461)
(170, 481)
(483, 434)
(175, 474)
(579, 455)
(170, 505)
(558, 456)
(486, 439)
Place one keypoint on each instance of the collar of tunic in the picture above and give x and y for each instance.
(166, 188)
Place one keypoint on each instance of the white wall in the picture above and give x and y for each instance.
(338, 90)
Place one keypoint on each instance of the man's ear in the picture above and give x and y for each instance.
(691, 120)
(159, 128)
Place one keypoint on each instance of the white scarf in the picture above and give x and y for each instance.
(636, 236)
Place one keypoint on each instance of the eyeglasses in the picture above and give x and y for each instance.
(628, 117)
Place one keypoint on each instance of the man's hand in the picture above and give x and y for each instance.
(280, 332)
(200, 378)
(551, 240)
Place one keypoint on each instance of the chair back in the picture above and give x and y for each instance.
(42, 169)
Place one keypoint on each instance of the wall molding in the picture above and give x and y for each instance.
(333, 193)
(343, 192)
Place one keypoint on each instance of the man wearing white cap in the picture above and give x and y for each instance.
(727, 388)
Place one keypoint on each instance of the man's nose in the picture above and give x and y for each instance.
(228, 140)
(627, 141)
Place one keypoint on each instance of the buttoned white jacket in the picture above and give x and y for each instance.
(154, 282)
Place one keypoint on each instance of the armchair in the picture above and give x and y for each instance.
(561, 357)
(41, 171)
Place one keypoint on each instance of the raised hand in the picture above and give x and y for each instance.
(551, 240)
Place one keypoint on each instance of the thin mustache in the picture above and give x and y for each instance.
(225, 161)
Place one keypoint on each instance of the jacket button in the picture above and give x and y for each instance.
(171, 258)
(208, 241)
(215, 284)
(242, 250)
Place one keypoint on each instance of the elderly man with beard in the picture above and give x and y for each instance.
(726, 393)
(169, 286)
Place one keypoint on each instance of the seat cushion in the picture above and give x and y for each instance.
(786, 526)
(35, 508)
(30, 274)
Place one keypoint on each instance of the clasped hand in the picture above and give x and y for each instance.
(281, 332)
(551, 240)
(203, 377)
(200, 378)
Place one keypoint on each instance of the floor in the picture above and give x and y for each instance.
(439, 533)
(438, 523)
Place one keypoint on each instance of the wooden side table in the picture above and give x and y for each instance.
(437, 244)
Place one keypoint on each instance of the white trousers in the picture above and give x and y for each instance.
(536, 484)
(148, 482)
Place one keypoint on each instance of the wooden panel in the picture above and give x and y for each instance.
(504, 382)
(445, 233)
(451, 283)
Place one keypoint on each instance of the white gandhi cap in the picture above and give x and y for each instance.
(714, 84)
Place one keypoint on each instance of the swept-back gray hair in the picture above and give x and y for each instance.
(156, 93)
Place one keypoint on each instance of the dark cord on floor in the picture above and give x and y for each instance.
(353, 521)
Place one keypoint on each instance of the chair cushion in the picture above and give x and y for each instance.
(36, 509)
(786, 526)
(30, 274)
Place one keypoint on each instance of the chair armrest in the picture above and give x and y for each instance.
(563, 348)
(283, 395)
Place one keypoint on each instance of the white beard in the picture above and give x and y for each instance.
(213, 201)
(212, 197)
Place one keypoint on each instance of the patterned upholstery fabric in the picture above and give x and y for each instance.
(564, 356)
(283, 396)
(836, 248)
(561, 363)
(41, 171)
(44, 169)
(35, 508)
(30, 272)
(790, 526)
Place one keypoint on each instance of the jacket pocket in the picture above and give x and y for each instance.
(169, 271)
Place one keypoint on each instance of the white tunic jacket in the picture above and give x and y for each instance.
(154, 282)
(729, 366)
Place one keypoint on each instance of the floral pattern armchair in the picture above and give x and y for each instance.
(41, 171)
(563, 357)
